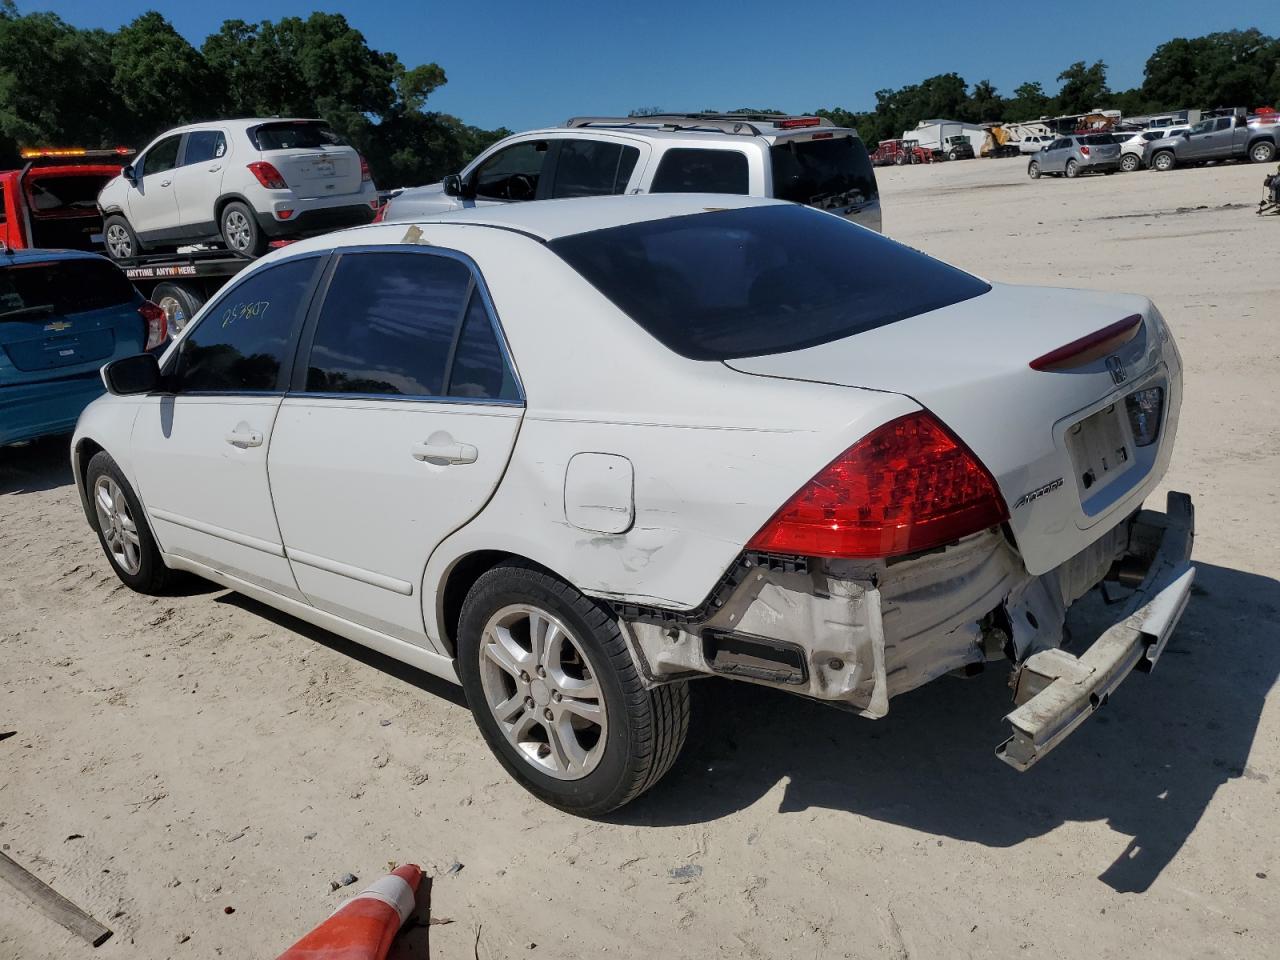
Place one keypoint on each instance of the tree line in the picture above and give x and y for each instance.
(63, 85)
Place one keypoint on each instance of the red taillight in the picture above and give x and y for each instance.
(907, 486)
(1084, 151)
(268, 175)
(382, 212)
(365, 175)
(284, 213)
(1087, 349)
(157, 323)
(792, 122)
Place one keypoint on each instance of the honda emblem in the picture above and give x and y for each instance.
(1116, 367)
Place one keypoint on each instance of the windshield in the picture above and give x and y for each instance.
(760, 280)
(61, 287)
(827, 174)
(294, 135)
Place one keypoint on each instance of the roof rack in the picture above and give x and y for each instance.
(745, 124)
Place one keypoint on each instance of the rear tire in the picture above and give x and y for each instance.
(1072, 170)
(1033, 170)
(240, 231)
(120, 240)
(178, 303)
(531, 649)
(1264, 151)
(1130, 162)
(122, 528)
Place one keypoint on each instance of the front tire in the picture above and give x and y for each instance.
(120, 240)
(953, 155)
(1162, 161)
(557, 697)
(1264, 151)
(1033, 170)
(122, 528)
(240, 231)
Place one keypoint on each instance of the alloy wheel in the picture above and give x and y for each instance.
(237, 230)
(542, 689)
(118, 242)
(118, 527)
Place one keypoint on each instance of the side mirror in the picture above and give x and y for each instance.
(1186, 134)
(129, 173)
(455, 186)
(130, 375)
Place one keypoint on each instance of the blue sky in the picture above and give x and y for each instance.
(522, 64)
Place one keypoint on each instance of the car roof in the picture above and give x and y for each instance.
(658, 129)
(239, 123)
(36, 255)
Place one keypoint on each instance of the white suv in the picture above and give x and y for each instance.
(802, 159)
(244, 182)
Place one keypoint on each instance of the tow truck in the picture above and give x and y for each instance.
(51, 202)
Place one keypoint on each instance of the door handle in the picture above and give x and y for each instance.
(445, 452)
(215, 168)
(166, 183)
(244, 438)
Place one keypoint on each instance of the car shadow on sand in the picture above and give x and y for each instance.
(43, 464)
(1148, 763)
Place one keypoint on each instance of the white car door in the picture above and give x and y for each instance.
(402, 419)
(200, 450)
(153, 203)
(197, 182)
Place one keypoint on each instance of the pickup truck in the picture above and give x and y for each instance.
(1217, 138)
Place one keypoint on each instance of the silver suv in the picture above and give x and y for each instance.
(802, 159)
(1073, 155)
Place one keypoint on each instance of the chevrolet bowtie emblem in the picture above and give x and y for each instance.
(57, 326)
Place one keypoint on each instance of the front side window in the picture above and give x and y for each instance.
(162, 157)
(388, 324)
(760, 280)
(203, 146)
(513, 173)
(593, 168)
(690, 170)
(244, 340)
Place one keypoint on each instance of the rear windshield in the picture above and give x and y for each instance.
(65, 196)
(294, 135)
(760, 280)
(60, 288)
(1098, 140)
(827, 174)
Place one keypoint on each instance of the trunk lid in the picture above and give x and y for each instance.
(65, 317)
(1039, 433)
(313, 160)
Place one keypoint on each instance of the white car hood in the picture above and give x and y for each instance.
(969, 364)
(420, 202)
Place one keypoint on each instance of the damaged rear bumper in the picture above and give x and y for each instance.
(1057, 691)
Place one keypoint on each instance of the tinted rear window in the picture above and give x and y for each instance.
(823, 173)
(61, 287)
(294, 135)
(690, 170)
(1098, 140)
(743, 283)
(65, 196)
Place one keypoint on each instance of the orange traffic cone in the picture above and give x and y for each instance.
(364, 926)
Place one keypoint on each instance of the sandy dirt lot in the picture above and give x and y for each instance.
(177, 756)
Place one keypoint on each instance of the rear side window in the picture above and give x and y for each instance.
(294, 135)
(593, 168)
(203, 146)
(687, 170)
(823, 173)
(388, 324)
(760, 280)
(61, 287)
(480, 370)
(244, 339)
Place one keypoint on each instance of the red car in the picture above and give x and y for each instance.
(899, 153)
(52, 201)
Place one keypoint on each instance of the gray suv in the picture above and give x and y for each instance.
(1076, 154)
(802, 159)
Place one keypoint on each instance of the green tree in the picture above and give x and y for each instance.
(985, 103)
(1231, 69)
(1029, 102)
(160, 78)
(1084, 88)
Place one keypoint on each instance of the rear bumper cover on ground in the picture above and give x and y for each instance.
(1057, 691)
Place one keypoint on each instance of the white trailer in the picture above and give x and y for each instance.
(948, 139)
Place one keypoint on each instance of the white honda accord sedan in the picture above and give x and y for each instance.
(574, 454)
